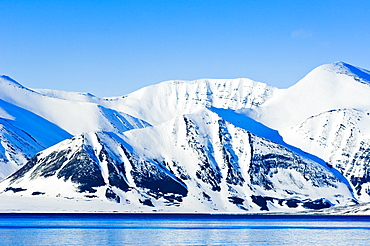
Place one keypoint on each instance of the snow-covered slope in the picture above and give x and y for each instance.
(22, 135)
(326, 114)
(197, 162)
(162, 102)
(72, 114)
(332, 86)
(32, 121)
(342, 138)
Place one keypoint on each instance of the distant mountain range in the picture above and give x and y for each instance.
(210, 146)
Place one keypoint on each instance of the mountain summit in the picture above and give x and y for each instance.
(360, 74)
(327, 87)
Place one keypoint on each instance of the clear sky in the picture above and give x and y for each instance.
(111, 48)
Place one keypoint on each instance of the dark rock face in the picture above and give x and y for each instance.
(36, 193)
(361, 159)
(317, 204)
(115, 169)
(236, 200)
(22, 172)
(209, 171)
(264, 166)
(292, 203)
(82, 169)
(155, 177)
(234, 175)
(15, 190)
(112, 196)
(261, 201)
(147, 202)
(49, 166)
(115, 179)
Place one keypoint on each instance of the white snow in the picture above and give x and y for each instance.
(73, 112)
(162, 102)
(325, 88)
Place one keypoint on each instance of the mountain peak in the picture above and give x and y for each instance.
(359, 74)
(331, 77)
(340, 63)
(9, 79)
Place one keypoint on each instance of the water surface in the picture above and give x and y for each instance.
(176, 229)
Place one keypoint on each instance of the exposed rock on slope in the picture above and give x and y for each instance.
(195, 162)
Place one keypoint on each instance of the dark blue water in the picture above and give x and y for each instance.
(117, 229)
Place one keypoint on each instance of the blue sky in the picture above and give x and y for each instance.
(111, 48)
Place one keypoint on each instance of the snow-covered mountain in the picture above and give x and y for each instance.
(205, 145)
(75, 113)
(332, 86)
(326, 114)
(32, 121)
(196, 162)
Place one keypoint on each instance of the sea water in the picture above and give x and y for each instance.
(176, 229)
